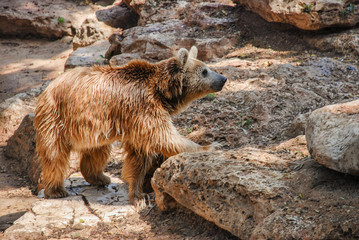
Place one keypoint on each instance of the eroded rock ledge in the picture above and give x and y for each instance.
(307, 15)
(260, 194)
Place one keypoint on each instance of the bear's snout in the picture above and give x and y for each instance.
(218, 81)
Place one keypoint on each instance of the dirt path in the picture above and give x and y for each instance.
(26, 64)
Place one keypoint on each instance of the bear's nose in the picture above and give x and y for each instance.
(224, 79)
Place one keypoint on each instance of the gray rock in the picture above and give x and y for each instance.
(298, 126)
(332, 134)
(159, 41)
(115, 48)
(14, 109)
(88, 56)
(118, 17)
(124, 58)
(306, 15)
(22, 147)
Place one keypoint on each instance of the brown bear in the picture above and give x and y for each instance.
(88, 108)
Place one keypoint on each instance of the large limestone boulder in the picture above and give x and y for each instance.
(261, 194)
(307, 15)
(332, 134)
(222, 188)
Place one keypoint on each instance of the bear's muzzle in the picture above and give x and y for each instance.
(218, 81)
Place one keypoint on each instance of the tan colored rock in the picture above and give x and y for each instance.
(307, 15)
(222, 187)
(332, 135)
(90, 32)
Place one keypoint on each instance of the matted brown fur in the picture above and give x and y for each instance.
(87, 109)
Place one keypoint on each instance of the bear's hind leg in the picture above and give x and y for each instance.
(92, 164)
(54, 168)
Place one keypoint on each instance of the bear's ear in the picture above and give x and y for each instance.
(182, 56)
(193, 52)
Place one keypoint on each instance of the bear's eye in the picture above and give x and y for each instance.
(204, 72)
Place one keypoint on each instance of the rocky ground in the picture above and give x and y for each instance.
(276, 75)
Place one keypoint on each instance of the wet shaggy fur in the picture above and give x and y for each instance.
(87, 109)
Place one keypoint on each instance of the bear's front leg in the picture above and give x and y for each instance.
(134, 170)
(173, 143)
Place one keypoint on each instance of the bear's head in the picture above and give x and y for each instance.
(188, 79)
(198, 77)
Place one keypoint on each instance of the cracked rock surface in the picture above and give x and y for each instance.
(261, 194)
(85, 207)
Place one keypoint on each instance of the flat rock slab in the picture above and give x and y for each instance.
(260, 194)
(85, 207)
(332, 134)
